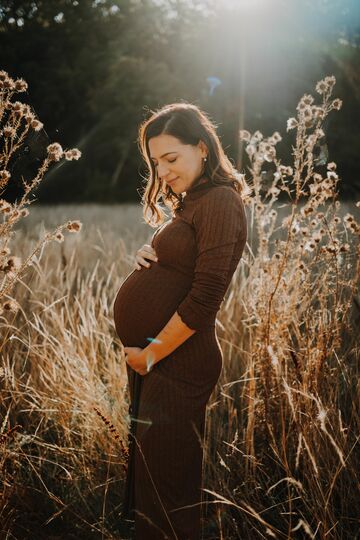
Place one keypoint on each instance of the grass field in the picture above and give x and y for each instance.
(282, 428)
(281, 455)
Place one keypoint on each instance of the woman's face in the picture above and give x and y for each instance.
(176, 163)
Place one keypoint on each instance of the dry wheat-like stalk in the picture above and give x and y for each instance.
(16, 121)
(286, 319)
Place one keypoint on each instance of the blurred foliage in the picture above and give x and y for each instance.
(95, 68)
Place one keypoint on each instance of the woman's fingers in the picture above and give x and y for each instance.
(145, 252)
(142, 261)
(148, 252)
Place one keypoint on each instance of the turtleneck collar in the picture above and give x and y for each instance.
(199, 184)
(194, 192)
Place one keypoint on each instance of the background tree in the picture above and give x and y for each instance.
(96, 66)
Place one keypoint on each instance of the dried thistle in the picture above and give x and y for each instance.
(16, 120)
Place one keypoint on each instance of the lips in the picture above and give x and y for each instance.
(172, 181)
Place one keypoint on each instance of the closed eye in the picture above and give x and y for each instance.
(169, 161)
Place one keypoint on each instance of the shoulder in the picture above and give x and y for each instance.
(219, 199)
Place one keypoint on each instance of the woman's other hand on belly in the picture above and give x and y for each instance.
(145, 252)
(138, 360)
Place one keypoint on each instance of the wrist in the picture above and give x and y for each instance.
(151, 356)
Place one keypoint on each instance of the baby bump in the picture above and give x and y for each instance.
(146, 301)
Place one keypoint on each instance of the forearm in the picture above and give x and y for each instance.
(174, 333)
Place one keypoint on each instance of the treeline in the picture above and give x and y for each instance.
(95, 67)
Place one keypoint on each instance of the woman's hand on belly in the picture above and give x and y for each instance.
(138, 360)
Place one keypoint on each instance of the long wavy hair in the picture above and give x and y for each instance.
(189, 125)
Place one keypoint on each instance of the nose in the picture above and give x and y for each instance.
(163, 171)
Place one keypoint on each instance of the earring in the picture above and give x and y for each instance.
(205, 159)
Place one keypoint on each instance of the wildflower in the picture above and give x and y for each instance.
(277, 256)
(354, 227)
(337, 104)
(319, 215)
(24, 212)
(348, 218)
(4, 176)
(250, 150)
(317, 237)
(9, 84)
(304, 231)
(11, 305)
(74, 153)
(345, 247)
(276, 137)
(74, 226)
(321, 87)
(330, 81)
(29, 118)
(17, 106)
(332, 175)
(37, 125)
(274, 191)
(9, 131)
(55, 152)
(270, 155)
(306, 210)
(257, 137)
(331, 166)
(21, 85)
(13, 263)
(310, 246)
(244, 135)
(5, 207)
(291, 123)
(59, 237)
(301, 106)
(273, 213)
(337, 219)
(357, 204)
(325, 84)
(307, 112)
(318, 114)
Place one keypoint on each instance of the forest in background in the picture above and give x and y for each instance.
(96, 67)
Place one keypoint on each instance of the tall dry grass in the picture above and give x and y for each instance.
(282, 426)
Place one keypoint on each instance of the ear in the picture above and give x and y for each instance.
(203, 148)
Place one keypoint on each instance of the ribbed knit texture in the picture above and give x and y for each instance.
(198, 252)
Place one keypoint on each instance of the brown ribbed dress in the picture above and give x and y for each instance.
(198, 251)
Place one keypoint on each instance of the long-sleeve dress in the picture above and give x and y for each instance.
(198, 251)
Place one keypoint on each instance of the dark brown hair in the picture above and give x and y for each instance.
(189, 125)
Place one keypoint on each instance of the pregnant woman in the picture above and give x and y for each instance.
(165, 316)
